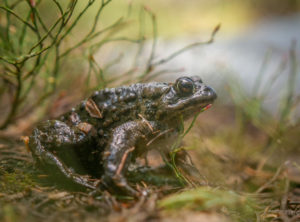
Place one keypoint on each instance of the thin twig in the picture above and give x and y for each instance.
(149, 65)
(7, 30)
(141, 36)
(154, 31)
(18, 17)
(268, 183)
(178, 52)
(90, 2)
(89, 38)
(15, 102)
(62, 18)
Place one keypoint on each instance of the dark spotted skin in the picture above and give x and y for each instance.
(100, 137)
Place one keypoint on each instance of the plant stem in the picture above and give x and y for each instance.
(15, 102)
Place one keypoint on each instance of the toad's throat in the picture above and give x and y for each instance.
(196, 108)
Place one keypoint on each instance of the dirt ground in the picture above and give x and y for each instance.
(238, 185)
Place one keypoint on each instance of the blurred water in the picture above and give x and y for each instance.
(241, 55)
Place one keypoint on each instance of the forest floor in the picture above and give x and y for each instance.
(243, 182)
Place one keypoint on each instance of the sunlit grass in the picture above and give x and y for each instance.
(211, 199)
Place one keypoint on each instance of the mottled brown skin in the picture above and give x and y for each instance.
(100, 137)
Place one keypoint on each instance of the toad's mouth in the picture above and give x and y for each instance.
(206, 107)
(192, 110)
(196, 103)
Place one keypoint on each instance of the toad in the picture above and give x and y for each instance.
(99, 138)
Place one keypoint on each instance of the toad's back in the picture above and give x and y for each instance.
(110, 107)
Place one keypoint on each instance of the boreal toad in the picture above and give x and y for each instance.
(101, 136)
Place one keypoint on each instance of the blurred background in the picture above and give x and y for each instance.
(254, 40)
(56, 53)
(252, 47)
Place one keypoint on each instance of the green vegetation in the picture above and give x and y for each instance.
(34, 50)
(209, 199)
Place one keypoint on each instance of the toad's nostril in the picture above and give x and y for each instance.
(206, 89)
(209, 91)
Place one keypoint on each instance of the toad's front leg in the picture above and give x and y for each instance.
(119, 151)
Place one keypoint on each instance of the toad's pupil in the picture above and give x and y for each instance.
(186, 86)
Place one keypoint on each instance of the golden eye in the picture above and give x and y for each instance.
(185, 86)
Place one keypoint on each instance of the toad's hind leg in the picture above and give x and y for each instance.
(52, 137)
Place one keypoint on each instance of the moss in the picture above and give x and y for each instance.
(16, 180)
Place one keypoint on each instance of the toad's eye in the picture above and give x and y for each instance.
(184, 86)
